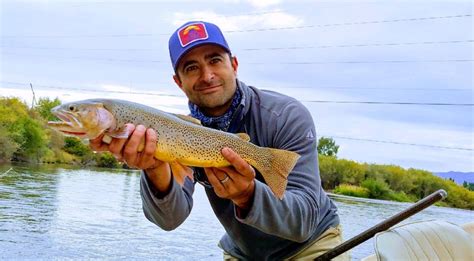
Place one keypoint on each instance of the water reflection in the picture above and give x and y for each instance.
(48, 212)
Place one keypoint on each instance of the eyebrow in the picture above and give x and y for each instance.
(206, 57)
(212, 55)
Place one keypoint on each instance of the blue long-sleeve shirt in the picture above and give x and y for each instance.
(273, 228)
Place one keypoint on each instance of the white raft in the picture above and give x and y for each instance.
(425, 240)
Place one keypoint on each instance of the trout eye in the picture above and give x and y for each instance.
(72, 108)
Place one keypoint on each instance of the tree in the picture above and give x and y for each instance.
(327, 147)
(44, 107)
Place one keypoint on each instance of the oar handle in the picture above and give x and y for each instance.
(384, 225)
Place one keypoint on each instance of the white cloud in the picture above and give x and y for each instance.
(263, 3)
(240, 22)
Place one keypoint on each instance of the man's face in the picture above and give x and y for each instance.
(207, 75)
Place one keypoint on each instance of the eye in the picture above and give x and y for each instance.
(215, 60)
(190, 68)
(72, 108)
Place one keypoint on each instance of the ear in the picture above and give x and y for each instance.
(178, 81)
(235, 63)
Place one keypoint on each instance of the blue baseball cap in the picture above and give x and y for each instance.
(193, 34)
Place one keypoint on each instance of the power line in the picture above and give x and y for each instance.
(255, 63)
(85, 58)
(98, 91)
(401, 143)
(307, 101)
(288, 87)
(391, 103)
(369, 62)
(357, 45)
(332, 136)
(350, 23)
(368, 88)
(256, 49)
(254, 30)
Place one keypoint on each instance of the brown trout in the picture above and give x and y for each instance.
(182, 141)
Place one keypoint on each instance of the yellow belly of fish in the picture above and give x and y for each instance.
(188, 160)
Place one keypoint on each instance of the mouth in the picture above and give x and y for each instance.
(68, 125)
(209, 89)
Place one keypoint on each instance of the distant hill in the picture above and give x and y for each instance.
(459, 177)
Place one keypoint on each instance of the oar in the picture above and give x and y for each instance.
(384, 225)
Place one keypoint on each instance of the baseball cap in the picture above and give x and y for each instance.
(193, 34)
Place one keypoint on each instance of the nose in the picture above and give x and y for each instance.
(207, 74)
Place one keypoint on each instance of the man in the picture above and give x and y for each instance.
(258, 225)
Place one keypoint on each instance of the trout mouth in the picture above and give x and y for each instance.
(68, 124)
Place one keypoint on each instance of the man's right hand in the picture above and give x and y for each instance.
(127, 150)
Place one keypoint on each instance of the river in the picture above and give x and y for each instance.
(51, 212)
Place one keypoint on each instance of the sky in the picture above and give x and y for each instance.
(390, 81)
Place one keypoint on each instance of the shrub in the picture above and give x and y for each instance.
(377, 189)
(351, 190)
(107, 160)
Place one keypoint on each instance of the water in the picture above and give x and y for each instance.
(48, 212)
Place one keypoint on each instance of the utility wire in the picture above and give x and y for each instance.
(357, 45)
(287, 87)
(391, 103)
(255, 63)
(307, 101)
(99, 91)
(255, 49)
(401, 143)
(332, 136)
(254, 30)
(369, 62)
(350, 23)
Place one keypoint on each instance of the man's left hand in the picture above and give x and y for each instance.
(236, 182)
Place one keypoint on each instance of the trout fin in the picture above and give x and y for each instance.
(180, 172)
(275, 166)
(188, 118)
(121, 133)
(243, 136)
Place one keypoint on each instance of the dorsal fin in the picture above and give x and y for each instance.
(243, 136)
(188, 118)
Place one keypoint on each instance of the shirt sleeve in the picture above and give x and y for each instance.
(297, 215)
(169, 211)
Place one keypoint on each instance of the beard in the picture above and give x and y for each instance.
(217, 101)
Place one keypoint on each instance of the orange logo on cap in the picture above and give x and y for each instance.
(192, 33)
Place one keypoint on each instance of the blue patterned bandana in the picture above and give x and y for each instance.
(220, 122)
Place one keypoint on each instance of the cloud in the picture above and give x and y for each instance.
(263, 3)
(273, 18)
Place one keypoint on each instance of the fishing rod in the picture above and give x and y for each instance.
(384, 225)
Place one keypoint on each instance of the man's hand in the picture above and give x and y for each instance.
(236, 182)
(127, 150)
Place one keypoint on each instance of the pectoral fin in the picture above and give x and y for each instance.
(188, 118)
(180, 172)
(121, 133)
(243, 136)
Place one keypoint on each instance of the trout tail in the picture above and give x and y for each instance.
(275, 166)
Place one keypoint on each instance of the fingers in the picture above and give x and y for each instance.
(240, 165)
(212, 177)
(147, 159)
(117, 145)
(97, 144)
(127, 150)
(130, 151)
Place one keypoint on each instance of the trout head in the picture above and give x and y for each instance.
(83, 119)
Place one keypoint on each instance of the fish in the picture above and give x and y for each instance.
(182, 141)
